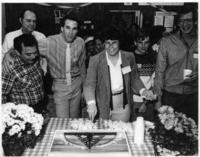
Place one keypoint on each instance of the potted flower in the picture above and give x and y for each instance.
(21, 127)
(174, 133)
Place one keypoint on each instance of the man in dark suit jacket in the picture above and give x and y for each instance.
(112, 78)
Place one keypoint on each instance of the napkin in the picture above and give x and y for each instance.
(139, 131)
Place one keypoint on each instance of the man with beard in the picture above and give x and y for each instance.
(176, 81)
(23, 84)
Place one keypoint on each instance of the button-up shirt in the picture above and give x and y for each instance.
(173, 57)
(54, 49)
(115, 74)
(24, 84)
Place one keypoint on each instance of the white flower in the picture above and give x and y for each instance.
(155, 47)
(6, 108)
(178, 129)
(22, 125)
(37, 132)
(9, 121)
(169, 124)
(162, 109)
(2, 129)
(17, 116)
(167, 109)
(14, 130)
(170, 109)
(25, 107)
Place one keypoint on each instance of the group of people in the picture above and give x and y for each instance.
(117, 84)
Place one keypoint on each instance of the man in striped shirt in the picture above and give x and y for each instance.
(23, 84)
(65, 53)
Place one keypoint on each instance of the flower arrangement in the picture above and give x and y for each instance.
(174, 133)
(21, 127)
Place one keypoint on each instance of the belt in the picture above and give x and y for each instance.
(65, 79)
(117, 93)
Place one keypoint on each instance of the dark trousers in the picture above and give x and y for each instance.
(185, 103)
(148, 114)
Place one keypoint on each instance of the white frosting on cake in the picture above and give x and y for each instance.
(87, 125)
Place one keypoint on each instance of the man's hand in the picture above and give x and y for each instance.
(92, 111)
(148, 95)
(191, 77)
(158, 104)
(43, 64)
(142, 108)
(7, 63)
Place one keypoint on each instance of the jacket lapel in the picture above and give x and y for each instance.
(105, 73)
(104, 70)
(125, 63)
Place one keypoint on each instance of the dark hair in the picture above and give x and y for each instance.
(71, 16)
(26, 39)
(142, 34)
(187, 8)
(111, 34)
(23, 12)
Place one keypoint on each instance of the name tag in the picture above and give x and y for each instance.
(126, 69)
(195, 55)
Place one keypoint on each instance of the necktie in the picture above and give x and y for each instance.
(68, 65)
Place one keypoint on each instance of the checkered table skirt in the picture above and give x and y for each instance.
(43, 147)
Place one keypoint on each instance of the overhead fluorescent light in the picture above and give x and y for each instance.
(163, 4)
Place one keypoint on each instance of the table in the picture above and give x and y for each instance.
(43, 147)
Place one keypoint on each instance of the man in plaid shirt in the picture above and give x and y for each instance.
(24, 82)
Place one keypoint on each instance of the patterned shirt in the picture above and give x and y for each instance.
(24, 84)
(146, 63)
(146, 68)
(54, 49)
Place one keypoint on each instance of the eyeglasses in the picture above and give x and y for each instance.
(185, 20)
(111, 42)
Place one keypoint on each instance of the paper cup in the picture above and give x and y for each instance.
(186, 72)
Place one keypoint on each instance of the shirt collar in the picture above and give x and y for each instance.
(18, 60)
(22, 32)
(119, 62)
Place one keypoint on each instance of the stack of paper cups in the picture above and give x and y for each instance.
(139, 131)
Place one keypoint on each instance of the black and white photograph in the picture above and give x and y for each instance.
(99, 79)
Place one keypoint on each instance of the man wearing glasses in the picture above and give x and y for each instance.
(112, 78)
(176, 80)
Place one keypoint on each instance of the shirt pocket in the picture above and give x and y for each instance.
(23, 83)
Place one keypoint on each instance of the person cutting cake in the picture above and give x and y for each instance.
(112, 78)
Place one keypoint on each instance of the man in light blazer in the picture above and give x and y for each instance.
(112, 78)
